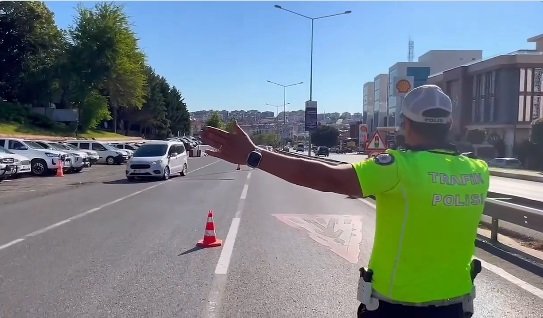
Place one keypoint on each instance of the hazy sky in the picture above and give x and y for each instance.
(220, 54)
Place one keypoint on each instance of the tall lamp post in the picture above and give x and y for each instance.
(311, 67)
(276, 116)
(284, 100)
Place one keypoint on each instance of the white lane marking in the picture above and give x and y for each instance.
(221, 270)
(45, 229)
(214, 162)
(226, 254)
(244, 192)
(80, 215)
(513, 279)
(495, 269)
(11, 243)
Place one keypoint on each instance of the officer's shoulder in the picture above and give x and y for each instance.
(384, 158)
(470, 155)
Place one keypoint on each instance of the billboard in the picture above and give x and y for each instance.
(362, 134)
(310, 115)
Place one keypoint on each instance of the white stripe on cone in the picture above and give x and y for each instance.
(209, 233)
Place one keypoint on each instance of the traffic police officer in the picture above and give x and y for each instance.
(429, 202)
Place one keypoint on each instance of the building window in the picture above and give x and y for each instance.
(536, 110)
(529, 80)
(520, 108)
(521, 86)
(538, 80)
(528, 111)
(492, 96)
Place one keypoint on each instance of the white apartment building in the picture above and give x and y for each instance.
(368, 103)
(417, 73)
(380, 100)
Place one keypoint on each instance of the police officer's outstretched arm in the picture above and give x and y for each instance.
(235, 147)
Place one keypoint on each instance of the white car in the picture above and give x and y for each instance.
(22, 162)
(108, 154)
(8, 167)
(158, 159)
(42, 161)
(78, 159)
(93, 155)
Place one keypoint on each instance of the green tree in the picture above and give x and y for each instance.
(110, 58)
(30, 44)
(266, 139)
(93, 110)
(177, 111)
(215, 121)
(230, 126)
(154, 108)
(325, 136)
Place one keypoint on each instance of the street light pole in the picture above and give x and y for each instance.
(311, 63)
(311, 71)
(284, 100)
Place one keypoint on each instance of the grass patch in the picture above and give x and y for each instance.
(20, 130)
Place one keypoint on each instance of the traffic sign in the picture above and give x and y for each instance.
(310, 115)
(376, 142)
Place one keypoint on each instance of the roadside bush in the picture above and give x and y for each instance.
(40, 120)
(11, 112)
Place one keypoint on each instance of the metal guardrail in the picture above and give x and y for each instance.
(513, 213)
(497, 209)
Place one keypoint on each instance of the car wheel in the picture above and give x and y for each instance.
(110, 160)
(77, 170)
(39, 167)
(166, 174)
(184, 171)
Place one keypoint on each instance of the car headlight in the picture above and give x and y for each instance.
(52, 155)
(156, 162)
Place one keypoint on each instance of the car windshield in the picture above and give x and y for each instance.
(110, 147)
(4, 150)
(151, 150)
(70, 147)
(34, 145)
(57, 147)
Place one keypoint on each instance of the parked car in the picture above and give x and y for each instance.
(8, 166)
(300, 148)
(510, 163)
(93, 155)
(42, 161)
(108, 154)
(79, 159)
(158, 159)
(22, 162)
(323, 151)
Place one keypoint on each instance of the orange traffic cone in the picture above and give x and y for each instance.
(210, 238)
(60, 172)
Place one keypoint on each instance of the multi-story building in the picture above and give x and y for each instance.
(368, 103)
(501, 95)
(380, 99)
(417, 73)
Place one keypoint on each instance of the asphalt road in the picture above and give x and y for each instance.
(118, 249)
(516, 187)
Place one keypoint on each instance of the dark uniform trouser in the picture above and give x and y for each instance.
(388, 310)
